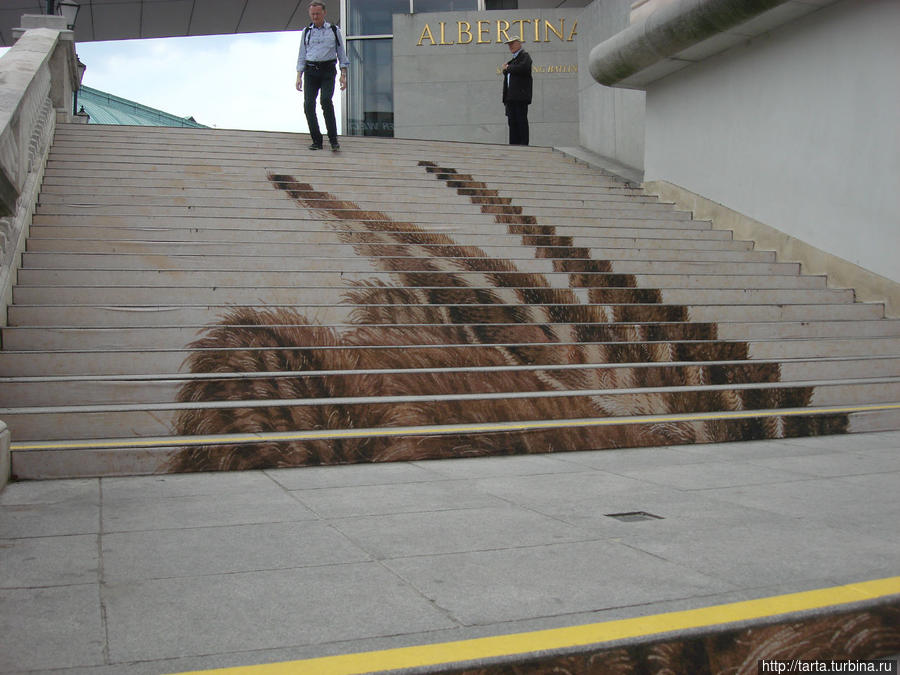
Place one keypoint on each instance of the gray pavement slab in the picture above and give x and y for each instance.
(58, 627)
(190, 616)
(164, 574)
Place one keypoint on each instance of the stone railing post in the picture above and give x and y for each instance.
(4, 455)
(38, 77)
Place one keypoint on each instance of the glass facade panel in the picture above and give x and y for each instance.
(371, 100)
(373, 17)
(444, 5)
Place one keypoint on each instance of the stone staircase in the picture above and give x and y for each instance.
(210, 300)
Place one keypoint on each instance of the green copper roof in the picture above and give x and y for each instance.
(105, 108)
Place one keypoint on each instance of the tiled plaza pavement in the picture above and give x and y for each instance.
(169, 573)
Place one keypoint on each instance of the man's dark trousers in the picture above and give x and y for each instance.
(517, 114)
(318, 79)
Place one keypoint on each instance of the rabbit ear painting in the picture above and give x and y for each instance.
(429, 321)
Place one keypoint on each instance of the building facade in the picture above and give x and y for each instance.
(369, 103)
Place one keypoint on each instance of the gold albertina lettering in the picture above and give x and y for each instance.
(443, 40)
(504, 30)
(483, 27)
(502, 33)
(426, 33)
(467, 31)
(521, 23)
(548, 27)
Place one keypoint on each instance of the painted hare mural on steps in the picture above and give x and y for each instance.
(455, 307)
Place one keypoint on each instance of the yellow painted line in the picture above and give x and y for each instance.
(575, 636)
(325, 434)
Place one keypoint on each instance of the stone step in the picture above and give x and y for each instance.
(332, 173)
(186, 215)
(218, 295)
(50, 338)
(690, 349)
(58, 276)
(473, 225)
(298, 272)
(422, 200)
(156, 135)
(423, 203)
(124, 457)
(123, 420)
(541, 160)
(239, 177)
(331, 254)
(161, 388)
(42, 363)
(375, 195)
(864, 316)
(55, 338)
(117, 182)
(293, 146)
(302, 233)
(527, 273)
(55, 192)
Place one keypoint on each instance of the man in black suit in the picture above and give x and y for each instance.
(517, 92)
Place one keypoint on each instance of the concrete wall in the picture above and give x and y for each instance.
(611, 120)
(797, 129)
(454, 91)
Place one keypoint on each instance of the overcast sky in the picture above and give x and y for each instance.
(223, 81)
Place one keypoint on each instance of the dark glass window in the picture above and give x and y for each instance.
(444, 5)
(371, 100)
(373, 17)
(501, 4)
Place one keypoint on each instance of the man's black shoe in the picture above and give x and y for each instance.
(315, 146)
(335, 146)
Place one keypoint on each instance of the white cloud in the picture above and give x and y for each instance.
(225, 81)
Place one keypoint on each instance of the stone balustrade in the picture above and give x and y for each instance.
(38, 76)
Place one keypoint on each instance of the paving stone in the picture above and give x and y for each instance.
(706, 475)
(497, 586)
(351, 475)
(47, 520)
(432, 533)
(47, 628)
(482, 467)
(761, 554)
(160, 554)
(128, 488)
(225, 508)
(398, 498)
(49, 561)
(187, 616)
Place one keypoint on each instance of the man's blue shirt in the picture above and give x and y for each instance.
(322, 47)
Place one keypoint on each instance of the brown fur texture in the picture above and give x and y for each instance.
(857, 636)
(434, 317)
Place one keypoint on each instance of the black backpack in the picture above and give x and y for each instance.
(306, 34)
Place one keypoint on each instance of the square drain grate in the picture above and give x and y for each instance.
(633, 516)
